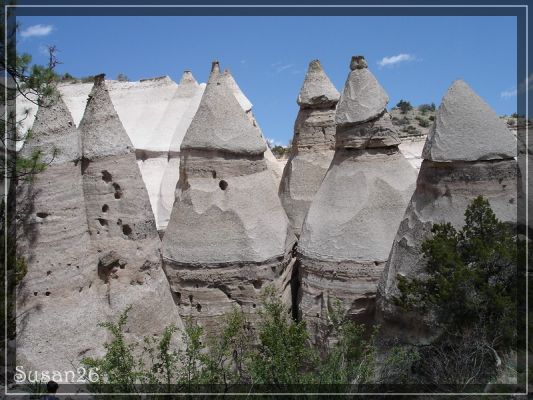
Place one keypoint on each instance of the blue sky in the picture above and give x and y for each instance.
(414, 58)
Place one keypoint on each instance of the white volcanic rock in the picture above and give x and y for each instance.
(467, 129)
(443, 192)
(313, 145)
(363, 98)
(59, 301)
(346, 235)
(121, 224)
(228, 234)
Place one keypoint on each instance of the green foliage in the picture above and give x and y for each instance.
(471, 278)
(410, 130)
(283, 352)
(280, 151)
(424, 123)
(119, 367)
(87, 79)
(424, 108)
(122, 77)
(400, 121)
(352, 359)
(404, 106)
(398, 367)
(431, 118)
(277, 352)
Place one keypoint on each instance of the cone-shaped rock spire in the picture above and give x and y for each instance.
(317, 89)
(121, 222)
(313, 144)
(58, 305)
(467, 129)
(103, 133)
(363, 98)
(57, 138)
(187, 78)
(346, 235)
(245, 103)
(443, 192)
(220, 124)
(228, 234)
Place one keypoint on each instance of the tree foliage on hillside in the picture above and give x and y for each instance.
(469, 291)
(404, 106)
(274, 351)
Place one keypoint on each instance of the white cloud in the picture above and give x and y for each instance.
(522, 88)
(37, 30)
(506, 94)
(282, 68)
(393, 60)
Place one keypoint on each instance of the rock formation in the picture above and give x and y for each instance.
(189, 94)
(228, 235)
(349, 228)
(59, 301)
(468, 152)
(313, 144)
(273, 164)
(121, 223)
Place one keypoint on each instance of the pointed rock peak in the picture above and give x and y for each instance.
(102, 132)
(54, 133)
(363, 98)
(317, 90)
(467, 129)
(220, 124)
(245, 103)
(188, 79)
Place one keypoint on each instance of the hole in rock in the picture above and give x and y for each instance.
(223, 185)
(47, 294)
(119, 222)
(190, 298)
(106, 176)
(118, 190)
(102, 221)
(199, 307)
(48, 272)
(105, 208)
(178, 297)
(35, 293)
(126, 230)
(257, 284)
(214, 173)
(253, 305)
(42, 214)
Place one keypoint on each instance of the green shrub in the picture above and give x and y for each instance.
(424, 123)
(471, 277)
(404, 106)
(424, 108)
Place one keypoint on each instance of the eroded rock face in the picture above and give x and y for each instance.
(313, 145)
(349, 228)
(121, 223)
(59, 301)
(467, 129)
(228, 235)
(455, 171)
